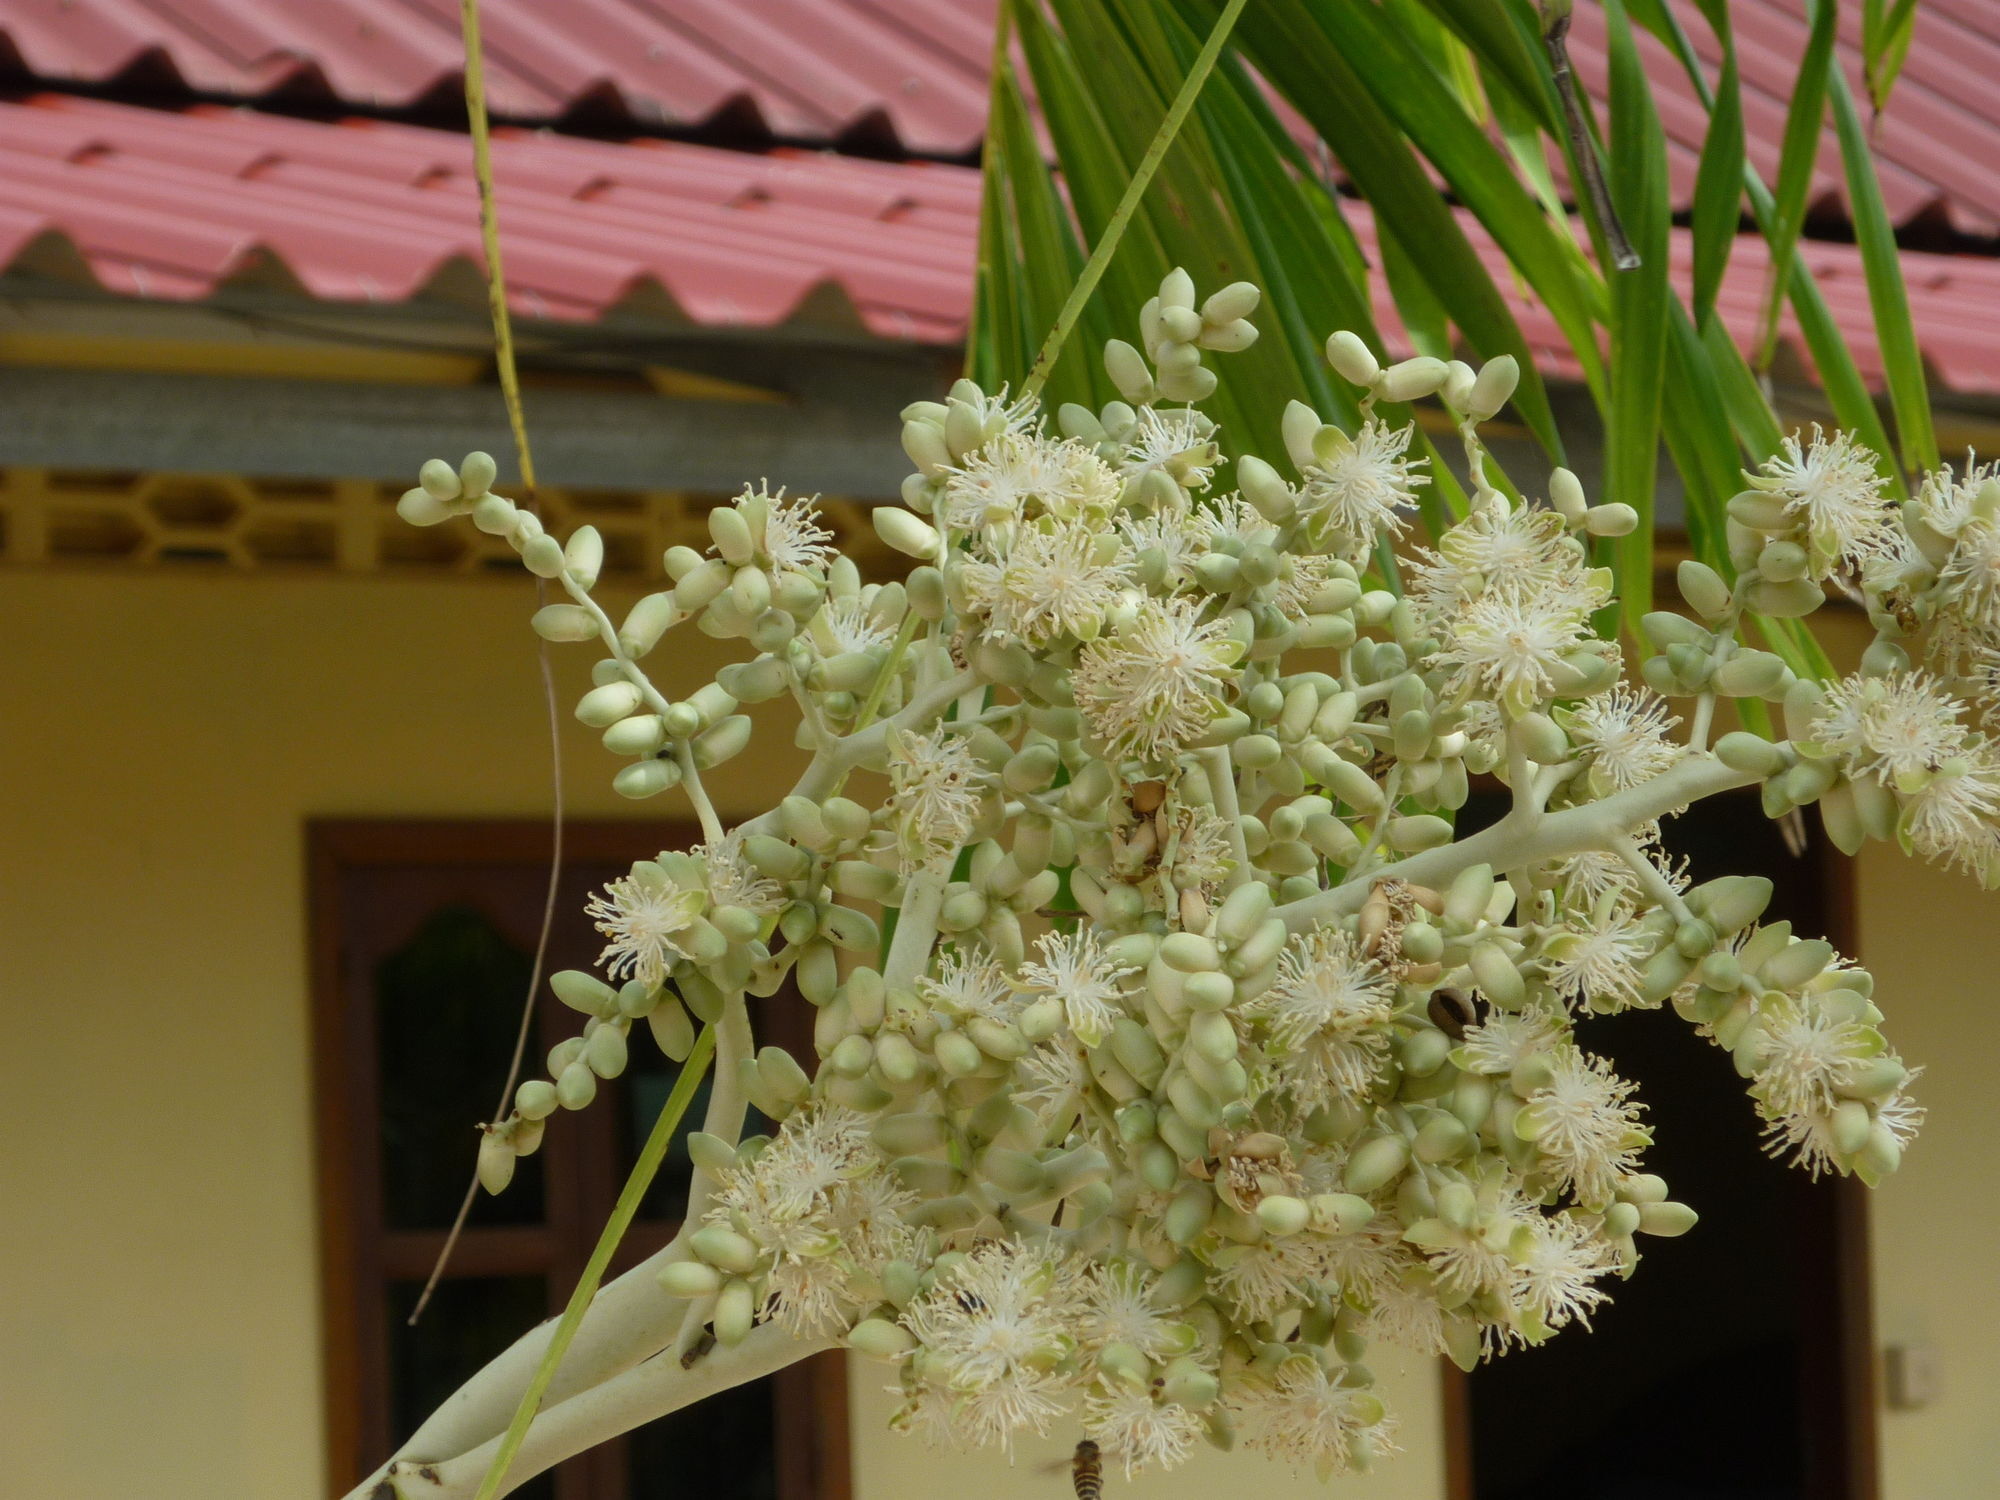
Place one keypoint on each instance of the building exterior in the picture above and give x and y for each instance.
(229, 333)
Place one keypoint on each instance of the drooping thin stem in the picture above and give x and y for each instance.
(1555, 40)
(527, 1022)
(622, 1214)
(517, 423)
(1121, 217)
(489, 234)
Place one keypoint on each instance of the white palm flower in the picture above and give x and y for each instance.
(1951, 818)
(1406, 1313)
(967, 984)
(1048, 579)
(734, 881)
(1262, 1280)
(790, 535)
(993, 1329)
(1137, 1430)
(1200, 852)
(1050, 1079)
(1944, 497)
(844, 625)
(814, 1152)
(1231, 518)
(1585, 1123)
(1074, 967)
(937, 782)
(1157, 683)
(1124, 1307)
(1968, 587)
(1622, 736)
(1833, 490)
(1328, 1013)
(1557, 1265)
(1586, 879)
(1358, 490)
(818, 1202)
(1306, 1417)
(1806, 1052)
(1020, 476)
(1900, 728)
(1598, 961)
(1496, 547)
(644, 915)
(1506, 646)
(1177, 441)
(1505, 1039)
(1177, 536)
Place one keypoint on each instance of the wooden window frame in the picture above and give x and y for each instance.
(357, 1257)
(1843, 1457)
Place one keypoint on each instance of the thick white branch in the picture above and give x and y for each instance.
(1517, 841)
(626, 1401)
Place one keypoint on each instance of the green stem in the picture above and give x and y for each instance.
(1107, 243)
(692, 1072)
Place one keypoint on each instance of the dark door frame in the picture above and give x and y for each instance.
(813, 1459)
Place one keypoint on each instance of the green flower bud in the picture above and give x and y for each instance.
(1185, 1218)
(419, 507)
(956, 1053)
(543, 556)
(604, 1050)
(1752, 754)
(1375, 1163)
(535, 1099)
(735, 1312)
(496, 1161)
(1496, 975)
(1663, 1220)
(584, 556)
(1281, 1215)
(476, 474)
(1703, 588)
(585, 992)
(907, 533)
(564, 622)
(878, 1338)
(1493, 389)
(576, 1086)
(852, 1057)
(1411, 379)
(689, 1279)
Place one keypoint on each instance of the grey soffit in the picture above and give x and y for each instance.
(90, 419)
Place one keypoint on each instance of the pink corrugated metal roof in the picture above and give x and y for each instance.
(176, 204)
(908, 72)
(912, 72)
(1937, 146)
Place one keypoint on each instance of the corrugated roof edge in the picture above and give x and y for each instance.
(299, 82)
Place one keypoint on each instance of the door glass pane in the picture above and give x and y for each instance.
(469, 1320)
(722, 1448)
(447, 1007)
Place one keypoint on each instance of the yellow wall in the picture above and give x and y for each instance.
(1933, 943)
(163, 738)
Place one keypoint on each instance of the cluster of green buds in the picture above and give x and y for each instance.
(1172, 1044)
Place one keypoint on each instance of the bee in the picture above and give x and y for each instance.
(1086, 1471)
